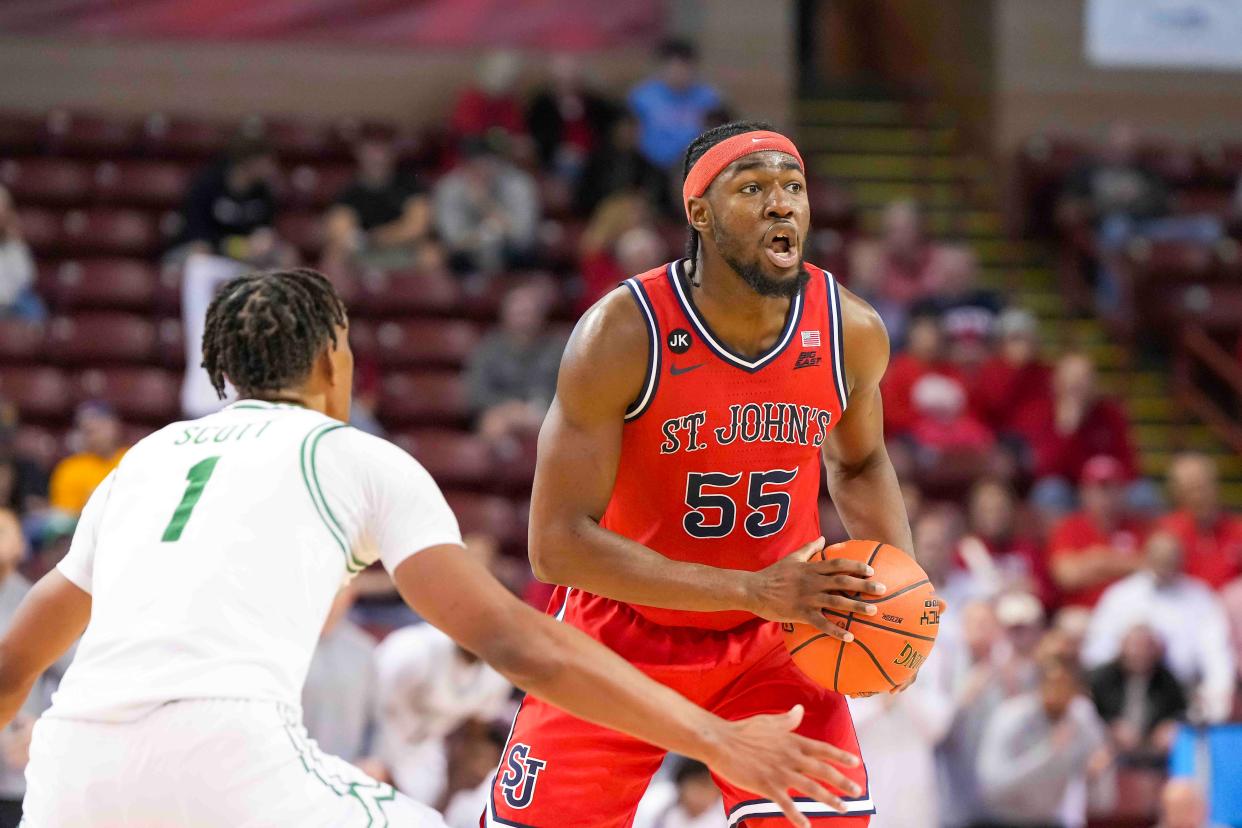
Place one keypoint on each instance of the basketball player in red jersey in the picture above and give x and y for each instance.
(676, 495)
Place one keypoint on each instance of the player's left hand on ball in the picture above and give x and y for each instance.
(762, 754)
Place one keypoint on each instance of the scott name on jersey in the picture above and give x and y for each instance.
(769, 422)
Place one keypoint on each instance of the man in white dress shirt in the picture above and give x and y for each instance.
(1184, 612)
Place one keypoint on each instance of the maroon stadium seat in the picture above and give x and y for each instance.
(39, 444)
(487, 514)
(20, 341)
(177, 137)
(21, 133)
(146, 395)
(299, 139)
(1221, 163)
(1175, 163)
(1165, 261)
(170, 338)
(133, 432)
(141, 183)
(451, 457)
(124, 284)
(316, 186)
(101, 338)
(42, 229)
(394, 293)
(362, 339)
(424, 399)
(46, 181)
(110, 231)
(40, 393)
(426, 343)
(79, 133)
(303, 229)
(168, 290)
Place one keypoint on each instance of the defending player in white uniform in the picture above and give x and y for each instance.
(212, 555)
(202, 571)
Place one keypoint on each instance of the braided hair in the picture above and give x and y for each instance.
(696, 150)
(265, 329)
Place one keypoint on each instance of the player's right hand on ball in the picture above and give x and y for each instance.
(763, 755)
(799, 589)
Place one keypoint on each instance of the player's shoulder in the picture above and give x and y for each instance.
(608, 352)
(865, 345)
(346, 446)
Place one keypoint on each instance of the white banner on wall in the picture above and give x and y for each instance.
(201, 277)
(1171, 34)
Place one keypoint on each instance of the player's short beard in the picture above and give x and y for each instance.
(752, 274)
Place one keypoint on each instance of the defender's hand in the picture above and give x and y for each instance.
(798, 589)
(762, 754)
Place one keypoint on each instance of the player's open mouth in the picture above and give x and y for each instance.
(781, 245)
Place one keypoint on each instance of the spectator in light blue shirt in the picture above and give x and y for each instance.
(672, 107)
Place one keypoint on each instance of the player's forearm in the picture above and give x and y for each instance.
(14, 690)
(48, 620)
(584, 555)
(563, 666)
(868, 498)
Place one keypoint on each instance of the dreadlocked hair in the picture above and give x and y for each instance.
(265, 329)
(696, 150)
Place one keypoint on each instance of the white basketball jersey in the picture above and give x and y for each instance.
(214, 550)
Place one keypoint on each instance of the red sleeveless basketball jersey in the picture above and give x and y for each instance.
(720, 458)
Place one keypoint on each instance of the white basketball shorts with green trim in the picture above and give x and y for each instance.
(216, 763)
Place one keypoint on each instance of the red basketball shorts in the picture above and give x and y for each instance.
(561, 772)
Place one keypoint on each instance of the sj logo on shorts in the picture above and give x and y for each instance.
(521, 774)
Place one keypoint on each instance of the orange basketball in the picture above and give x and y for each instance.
(888, 647)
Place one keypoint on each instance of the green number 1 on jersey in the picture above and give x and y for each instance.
(198, 476)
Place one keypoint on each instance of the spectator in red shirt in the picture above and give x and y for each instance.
(1211, 537)
(567, 119)
(1012, 391)
(968, 313)
(997, 550)
(923, 355)
(1093, 548)
(895, 271)
(621, 241)
(1081, 424)
(494, 105)
(943, 424)
(1075, 425)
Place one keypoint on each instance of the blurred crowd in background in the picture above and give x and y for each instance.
(1096, 614)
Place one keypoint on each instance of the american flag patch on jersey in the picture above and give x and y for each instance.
(810, 339)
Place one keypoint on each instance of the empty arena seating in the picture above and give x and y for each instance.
(109, 231)
(453, 458)
(41, 393)
(47, 181)
(20, 341)
(156, 184)
(101, 338)
(424, 343)
(388, 294)
(90, 134)
(489, 514)
(151, 396)
(102, 284)
(97, 198)
(424, 398)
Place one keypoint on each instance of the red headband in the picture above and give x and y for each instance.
(713, 162)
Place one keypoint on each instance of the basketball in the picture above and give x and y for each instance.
(888, 647)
